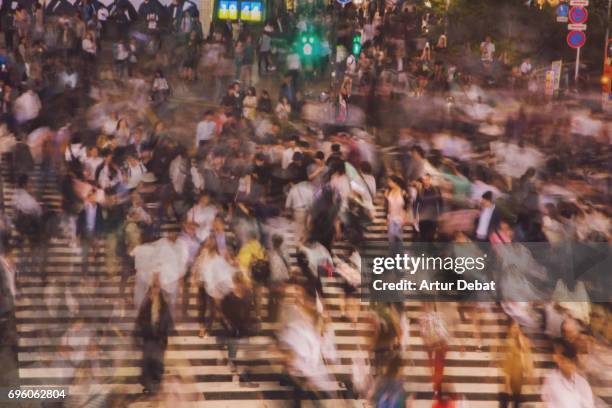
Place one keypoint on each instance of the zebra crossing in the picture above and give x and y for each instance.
(62, 315)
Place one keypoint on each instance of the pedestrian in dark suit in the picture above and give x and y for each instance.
(90, 224)
(153, 325)
(428, 207)
(489, 217)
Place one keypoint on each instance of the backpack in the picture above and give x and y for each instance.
(260, 270)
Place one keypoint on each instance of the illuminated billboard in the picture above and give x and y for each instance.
(228, 10)
(245, 10)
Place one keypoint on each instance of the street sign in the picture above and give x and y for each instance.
(579, 3)
(562, 11)
(556, 69)
(577, 27)
(576, 39)
(578, 15)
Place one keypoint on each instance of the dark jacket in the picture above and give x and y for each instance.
(428, 204)
(496, 218)
(237, 317)
(151, 15)
(159, 331)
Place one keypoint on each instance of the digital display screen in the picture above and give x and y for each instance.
(256, 11)
(228, 10)
(245, 11)
(248, 11)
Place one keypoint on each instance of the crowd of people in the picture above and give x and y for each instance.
(251, 209)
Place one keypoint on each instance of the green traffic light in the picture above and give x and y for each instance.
(357, 44)
(308, 42)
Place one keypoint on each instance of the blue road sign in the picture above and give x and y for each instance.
(576, 39)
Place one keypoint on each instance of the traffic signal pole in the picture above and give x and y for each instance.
(606, 77)
(608, 26)
(608, 30)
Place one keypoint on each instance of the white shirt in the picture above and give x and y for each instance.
(203, 217)
(217, 275)
(89, 46)
(205, 131)
(287, 157)
(102, 14)
(483, 222)
(486, 51)
(25, 203)
(178, 173)
(160, 84)
(351, 64)
(300, 197)
(561, 392)
(69, 80)
(76, 150)
(91, 164)
(27, 106)
(135, 173)
(525, 68)
(293, 61)
(105, 180)
(109, 126)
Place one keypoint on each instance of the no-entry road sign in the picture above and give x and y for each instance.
(576, 39)
(578, 15)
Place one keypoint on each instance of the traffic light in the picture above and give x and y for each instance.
(357, 45)
(307, 44)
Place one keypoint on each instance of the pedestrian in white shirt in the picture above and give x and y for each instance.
(89, 47)
(27, 106)
(160, 88)
(91, 163)
(110, 124)
(29, 222)
(134, 171)
(23, 202)
(202, 216)
(487, 50)
(299, 201)
(287, 156)
(206, 129)
(526, 67)
(75, 150)
(564, 387)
